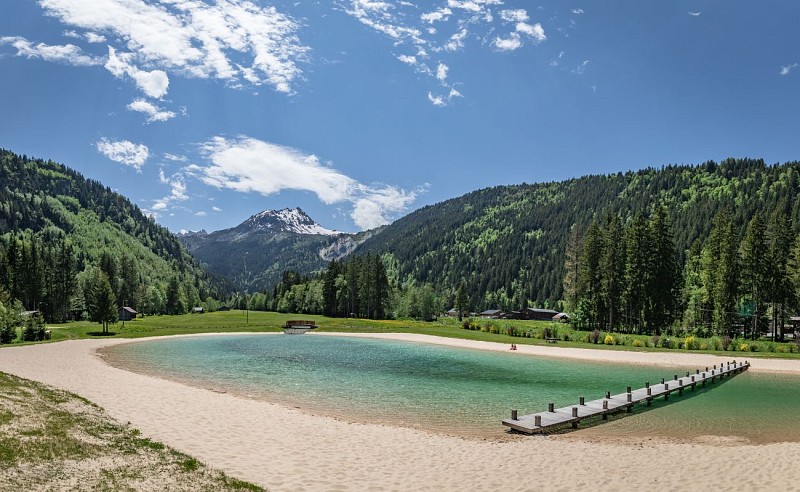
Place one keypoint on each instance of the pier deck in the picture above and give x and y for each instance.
(573, 414)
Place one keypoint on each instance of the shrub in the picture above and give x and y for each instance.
(703, 346)
(771, 347)
(466, 325)
(637, 343)
(594, 336)
(715, 343)
(655, 339)
(691, 343)
(755, 347)
(546, 332)
(666, 343)
(608, 340)
(743, 347)
(726, 342)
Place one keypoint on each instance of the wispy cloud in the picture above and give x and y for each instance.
(124, 152)
(178, 192)
(694, 14)
(428, 40)
(577, 11)
(153, 112)
(66, 53)
(236, 41)
(787, 69)
(581, 68)
(249, 165)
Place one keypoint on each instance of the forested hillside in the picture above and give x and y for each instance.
(60, 231)
(508, 243)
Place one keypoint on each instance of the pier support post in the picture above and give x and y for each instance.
(605, 407)
(551, 407)
(630, 397)
(666, 386)
(662, 380)
(649, 391)
(583, 400)
(608, 395)
(649, 401)
(647, 384)
(628, 389)
(513, 415)
(537, 420)
(676, 377)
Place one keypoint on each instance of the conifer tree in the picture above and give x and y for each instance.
(755, 270)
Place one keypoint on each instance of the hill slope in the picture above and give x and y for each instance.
(507, 243)
(47, 205)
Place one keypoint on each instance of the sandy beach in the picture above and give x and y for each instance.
(286, 449)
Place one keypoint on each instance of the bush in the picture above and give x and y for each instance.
(637, 343)
(691, 343)
(594, 336)
(743, 347)
(726, 342)
(755, 347)
(546, 333)
(609, 340)
(655, 339)
(704, 346)
(715, 344)
(666, 343)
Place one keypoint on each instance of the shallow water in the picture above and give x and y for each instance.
(458, 391)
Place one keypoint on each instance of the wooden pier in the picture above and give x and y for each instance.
(555, 417)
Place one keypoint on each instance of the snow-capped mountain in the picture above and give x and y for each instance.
(286, 220)
(254, 254)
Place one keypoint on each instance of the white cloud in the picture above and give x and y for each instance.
(154, 83)
(408, 59)
(153, 112)
(517, 15)
(201, 214)
(193, 38)
(534, 31)
(178, 190)
(216, 209)
(175, 158)
(577, 11)
(511, 43)
(94, 37)
(67, 53)
(124, 152)
(436, 100)
(456, 23)
(436, 16)
(249, 165)
(695, 14)
(581, 68)
(441, 72)
(787, 69)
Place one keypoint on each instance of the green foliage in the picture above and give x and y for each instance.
(54, 224)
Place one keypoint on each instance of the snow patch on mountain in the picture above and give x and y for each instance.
(288, 220)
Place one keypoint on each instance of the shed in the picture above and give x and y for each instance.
(492, 313)
(126, 313)
(224, 308)
(198, 310)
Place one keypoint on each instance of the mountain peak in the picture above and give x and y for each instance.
(287, 220)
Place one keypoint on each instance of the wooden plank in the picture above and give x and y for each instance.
(573, 414)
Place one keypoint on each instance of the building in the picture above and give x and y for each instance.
(126, 313)
(492, 314)
(198, 310)
(453, 313)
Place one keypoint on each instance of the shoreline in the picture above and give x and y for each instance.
(254, 440)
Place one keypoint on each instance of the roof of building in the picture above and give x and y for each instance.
(128, 309)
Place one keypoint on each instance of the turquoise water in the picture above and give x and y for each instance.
(456, 391)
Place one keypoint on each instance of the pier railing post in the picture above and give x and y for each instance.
(513, 415)
(608, 394)
(574, 411)
(537, 420)
(583, 400)
(551, 407)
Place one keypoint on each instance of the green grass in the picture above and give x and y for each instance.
(257, 321)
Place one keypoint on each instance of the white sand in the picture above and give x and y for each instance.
(287, 450)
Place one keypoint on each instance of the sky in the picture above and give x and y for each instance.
(205, 112)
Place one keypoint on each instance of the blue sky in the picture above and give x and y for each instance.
(204, 112)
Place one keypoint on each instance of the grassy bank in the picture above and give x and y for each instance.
(501, 331)
(54, 440)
